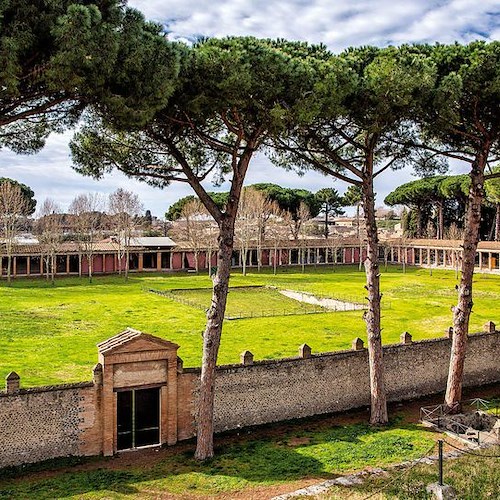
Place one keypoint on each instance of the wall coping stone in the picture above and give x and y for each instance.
(264, 362)
(47, 388)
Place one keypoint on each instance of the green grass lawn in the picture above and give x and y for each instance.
(474, 477)
(248, 302)
(314, 450)
(48, 333)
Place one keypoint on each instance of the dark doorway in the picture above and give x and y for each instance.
(138, 418)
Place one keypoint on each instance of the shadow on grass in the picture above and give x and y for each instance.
(299, 451)
(233, 468)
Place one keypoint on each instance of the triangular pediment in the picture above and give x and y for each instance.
(131, 340)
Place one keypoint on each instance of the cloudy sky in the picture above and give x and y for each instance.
(338, 24)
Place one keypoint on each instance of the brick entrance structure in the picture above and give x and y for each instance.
(135, 360)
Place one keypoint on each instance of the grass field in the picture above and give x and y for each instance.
(313, 450)
(48, 333)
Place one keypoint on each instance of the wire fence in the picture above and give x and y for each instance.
(473, 421)
(399, 477)
(238, 315)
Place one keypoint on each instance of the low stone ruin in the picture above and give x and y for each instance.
(478, 427)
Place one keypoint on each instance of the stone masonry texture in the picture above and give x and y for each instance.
(42, 423)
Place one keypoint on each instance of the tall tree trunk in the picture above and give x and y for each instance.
(52, 268)
(372, 315)
(418, 220)
(327, 232)
(461, 312)
(127, 261)
(497, 222)
(90, 259)
(357, 220)
(120, 257)
(440, 221)
(244, 257)
(9, 268)
(211, 341)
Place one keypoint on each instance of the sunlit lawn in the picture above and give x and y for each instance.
(474, 477)
(48, 334)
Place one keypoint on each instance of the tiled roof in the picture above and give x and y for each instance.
(128, 335)
(152, 241)
(118, 340)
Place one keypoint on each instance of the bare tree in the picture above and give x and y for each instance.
(277, 230)
(14, 206)
(211, 232)
(87, 213)
(303, 216)
(334, 244)
(386, 248)
(125, 207)
(49, 230)
(191, 228)
(253, 213)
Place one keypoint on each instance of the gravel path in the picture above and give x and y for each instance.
(331, 304)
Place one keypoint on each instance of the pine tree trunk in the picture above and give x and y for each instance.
(440, 224)
(372, 315)
(497, 222)
(418, 217)
(211, 342)
(461, 313)
(327, 232)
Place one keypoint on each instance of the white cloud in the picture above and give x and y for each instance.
(337, 24)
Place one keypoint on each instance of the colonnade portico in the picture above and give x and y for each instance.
(32, 261)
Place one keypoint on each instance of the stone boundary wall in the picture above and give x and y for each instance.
(271, 391)
(48, 422)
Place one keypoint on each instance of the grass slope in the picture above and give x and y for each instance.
(48, 333)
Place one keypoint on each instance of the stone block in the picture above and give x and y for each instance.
(12, 382)
(246, 358)
(405, 338)
(97, 374)
(442, 491)
(304, 351)
(357, 344)
(489, 327)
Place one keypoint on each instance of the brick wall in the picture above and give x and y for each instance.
(48, 422)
